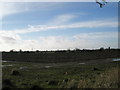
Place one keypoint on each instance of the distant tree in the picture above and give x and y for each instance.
(76, 49)
(109, 48)
(101, 49)
(12, 50)
(68, 50)
(20, 50)
(37, 50)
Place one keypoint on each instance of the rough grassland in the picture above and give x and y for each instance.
(60, 75)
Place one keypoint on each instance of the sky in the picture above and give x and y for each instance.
(58, 25)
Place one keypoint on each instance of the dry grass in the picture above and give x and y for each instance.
(108, 79)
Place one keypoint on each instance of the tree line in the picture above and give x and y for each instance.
(75, 55)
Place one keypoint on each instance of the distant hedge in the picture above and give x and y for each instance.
(60, 56)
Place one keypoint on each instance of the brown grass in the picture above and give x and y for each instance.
(108, 79)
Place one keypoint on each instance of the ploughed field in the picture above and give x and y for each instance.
(101, 73)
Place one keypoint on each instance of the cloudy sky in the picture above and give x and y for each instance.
(58, 25)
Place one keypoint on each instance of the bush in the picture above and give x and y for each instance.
(35, 87)
(52, 83)
(7, 82)
(15, 72)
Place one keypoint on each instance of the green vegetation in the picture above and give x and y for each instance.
(61, 69)
(61, 56)
(61, 75)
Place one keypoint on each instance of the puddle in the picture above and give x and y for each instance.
(48, 66)
(4, 61)
(81, 63)
(8, 61)
(116, 59)
(7, 65)
(24, 67)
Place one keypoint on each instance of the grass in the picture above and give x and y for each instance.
(78, 76)
(107, 79)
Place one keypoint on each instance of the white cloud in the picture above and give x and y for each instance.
(6, 8)
(87, 24)
(62, 19)
(8, 40)
(9, 8)
(101, 35)
(11, 39)
(82, 40)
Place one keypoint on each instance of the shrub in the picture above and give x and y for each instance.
(53, 83)
(15, 72)
(7, 82)
(6, 88)
(35, 87)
